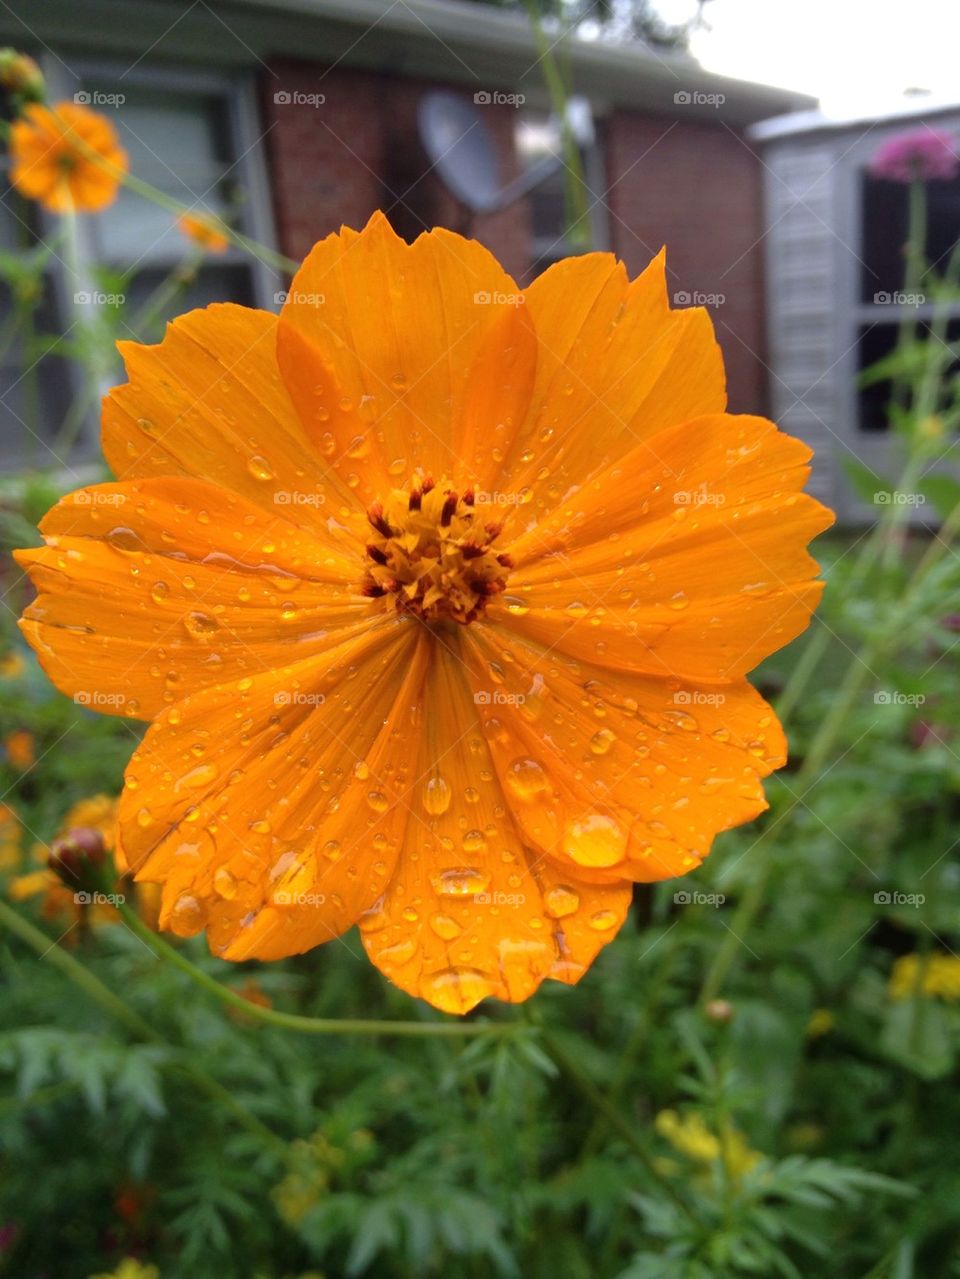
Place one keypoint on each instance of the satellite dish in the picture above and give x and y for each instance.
(461, 149)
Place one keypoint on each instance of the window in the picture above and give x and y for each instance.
(537, 136)
(193, 136)
(884, 302)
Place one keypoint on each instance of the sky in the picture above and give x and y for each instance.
(855, 55)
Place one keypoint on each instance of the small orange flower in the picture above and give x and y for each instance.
(205, 232)
(441, 598)
(67, 157)
(21, 749)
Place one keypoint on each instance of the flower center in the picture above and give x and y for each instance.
(434, 552)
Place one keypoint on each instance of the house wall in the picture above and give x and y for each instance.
(336, 162)
(692, 186)
(697, 189)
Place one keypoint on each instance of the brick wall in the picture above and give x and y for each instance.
(359, 151)
(697, 189)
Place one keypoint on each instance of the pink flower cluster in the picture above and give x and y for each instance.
(921, 153)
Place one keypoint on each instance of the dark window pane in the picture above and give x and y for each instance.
(875, 343)
(884, 219)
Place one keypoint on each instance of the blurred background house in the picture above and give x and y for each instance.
(291, 117)
(835, 281)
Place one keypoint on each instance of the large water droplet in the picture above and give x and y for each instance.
(436, 796)
(187, 915)
(595, 840)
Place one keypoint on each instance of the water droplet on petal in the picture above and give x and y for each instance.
(561, 901)
(436, 796)
(595, 840)
(187, 915)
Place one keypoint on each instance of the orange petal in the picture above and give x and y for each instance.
(393, 351)
(685, 559)
(615, 366)
(208, 402)
(149, 591)
(270, 809)
(470, 911)
(619, 776)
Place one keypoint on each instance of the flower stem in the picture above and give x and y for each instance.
(591, 1093)
(102, 994)
(293, 1021)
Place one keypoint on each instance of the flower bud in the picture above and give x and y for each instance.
(719, 1010)
(20, 74)
(78, 856)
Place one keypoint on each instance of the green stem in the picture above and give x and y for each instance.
(149, 192)
(575, 188)
(591, 1093)
(293, 1021)
(103, 995)
(74, 970)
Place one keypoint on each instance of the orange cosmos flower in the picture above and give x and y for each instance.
(441, 598)
(205, 232)
(67, 157)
